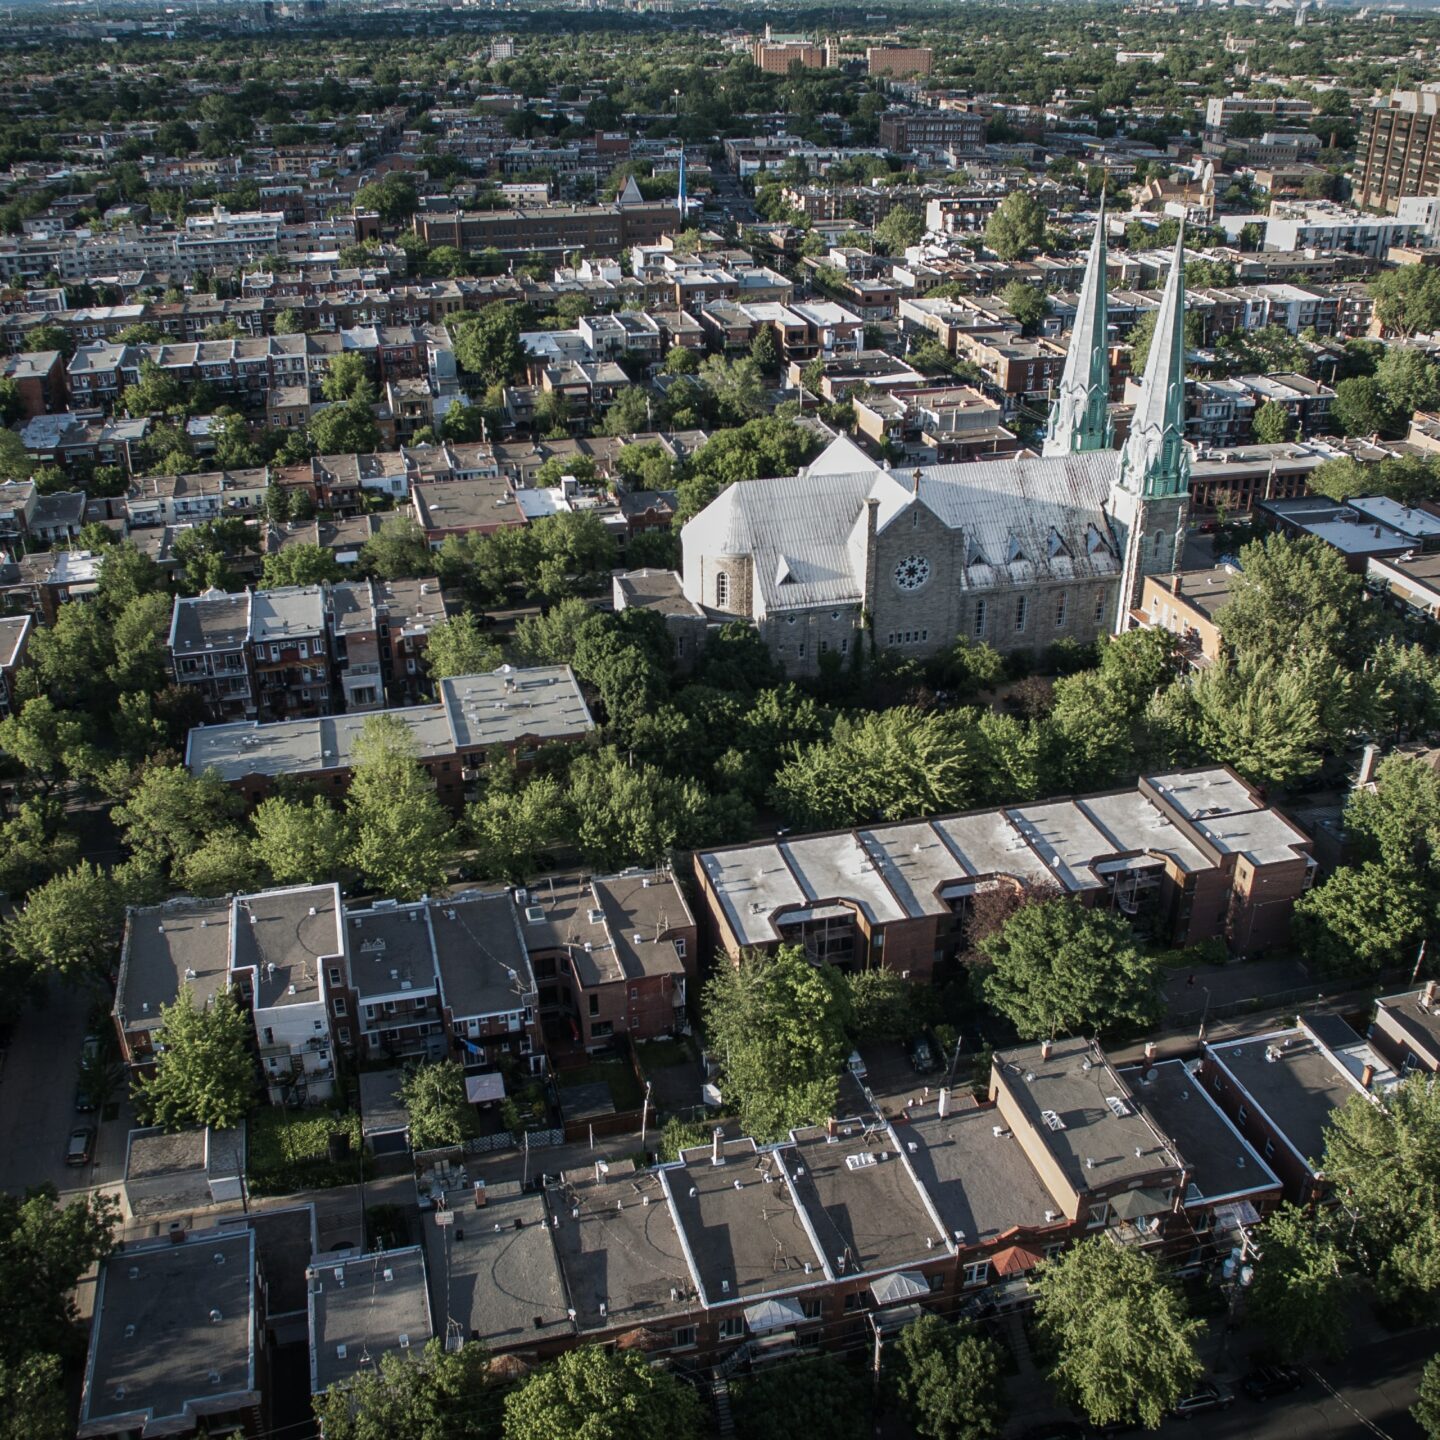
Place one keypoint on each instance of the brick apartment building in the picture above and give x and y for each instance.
(551, 230)
(516, 711)
(899, 62)
(1188, 856)
(908, 132)
(1399, 149)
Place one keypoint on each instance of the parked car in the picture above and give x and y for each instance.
(922, 1055)
(1206, 1396)
(84, 1101)
(81, 1147)
(1268, 1381)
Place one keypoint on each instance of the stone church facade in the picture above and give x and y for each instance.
(1019, 552)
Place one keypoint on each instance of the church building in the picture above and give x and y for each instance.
(1017, 552)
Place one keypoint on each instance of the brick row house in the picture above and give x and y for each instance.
(1189, 856)
(304, 650)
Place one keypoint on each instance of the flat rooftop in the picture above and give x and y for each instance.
(1205, 591)
(173, 1336)
(474, 711)
(183, 942)
(391, 951)
(1083, 1113)
(621, 1257)
(981, 1184)
(864, 1206)
(361, 1307)
(211, 621)
(642, 908)
(744, 1232)
(286, 937)
(1415, 1019)
(484, 969)
(1230, 817)
(494, 1271)
(1295, 1080)
(1223, 1165)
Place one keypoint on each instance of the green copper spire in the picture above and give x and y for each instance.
(1155, 461)
(1080, 416)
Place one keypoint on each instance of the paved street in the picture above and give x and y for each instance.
(37, 1099)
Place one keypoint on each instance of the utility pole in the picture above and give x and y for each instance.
(644, 1114)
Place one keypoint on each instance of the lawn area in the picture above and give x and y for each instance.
(289, 1150)
(657, 1054)
(626, 1092)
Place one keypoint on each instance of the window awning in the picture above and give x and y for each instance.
(480, 1088)
(1014, 1260)
(773, 1315)
(1138, 1204)
(1235, 1216)
(903, 1285)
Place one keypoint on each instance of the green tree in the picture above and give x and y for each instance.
(300, 842)
(681, 361)
(764, 350)
(900, 228)
(511, 828)
(631, 814)
(1361, 408)
(289, 322)
(882, 1005)
(225, 864)
(457, 647)
(397, 551)
(34, 845)
(881, 765)
(156, 392)
(629, 414)
(69, 926)
(1026, 303)
(33, 1399)
(488, 347)
(300, 565)
(204, 1072)
(1295, 598)
(1272, 423)
(1407, 299)
(1408, 380)
(402, 834)
(45, 739)
(597, 1394)
(817, 1396)
(1299, 1294)
(169, 813)
(1017, 225)
(738, 387)
(1384, 1162)
(778, 1024)
(45, 1248)
(441, 1395)
(574, 552)
(440, 1114)
(1397, 823)
(552, 637)
(1426, 1408)
(949, 1380)
(348, 378)
(1362, 919)
(348, 428)
(16, 462)
(1062, 968)
(1124, 1346)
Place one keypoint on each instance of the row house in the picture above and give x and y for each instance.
(15, 633)
(210, 654)
(29, 518)
(40, 582)
(1406, 1029)
(1022, 370)
(289, 639)
(950, 320)
(1238, 478)
(613, 956)
(1185, 857)
(379, 633)
(803, 332)
(193, 499)
(934, 425)
(1282, 1088)
(1188, 604)
(510, 712)
(388, 980)
(837, 1236)
(39, 379)
(87, 439)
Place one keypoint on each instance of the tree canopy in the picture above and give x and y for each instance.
(204, 1072)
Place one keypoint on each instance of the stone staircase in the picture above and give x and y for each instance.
(720, 1398)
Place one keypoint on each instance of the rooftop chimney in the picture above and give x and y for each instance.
(1045, 1048)
(944, 1101)
(1149, 1052)
(717, 1156)
(830, 1126)
(1427, 995)
(1368, 761)
(1367, 1075)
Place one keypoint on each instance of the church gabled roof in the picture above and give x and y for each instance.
(1080, 417)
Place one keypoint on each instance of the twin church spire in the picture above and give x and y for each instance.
(1153, 461)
